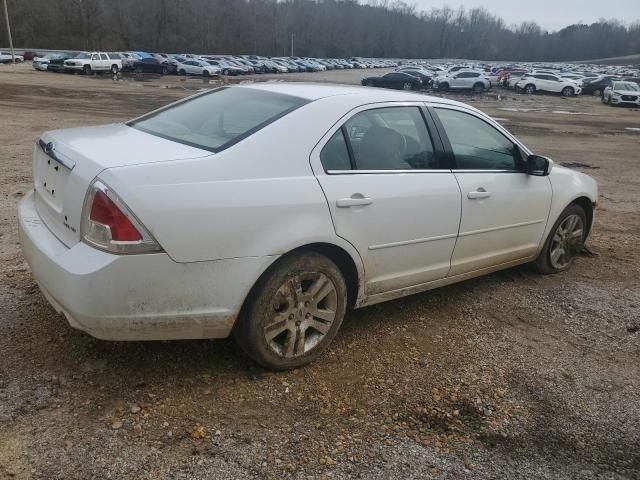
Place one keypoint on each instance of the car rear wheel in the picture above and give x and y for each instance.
(293, 312)
(86, 69)
(407, 86)
(164, 70)
(597, 92)
(205, 73)
(567, 92)
(182, 71)
(530, 89)
(478, 87)
(114, 69)
(565, 241)
(443, 86)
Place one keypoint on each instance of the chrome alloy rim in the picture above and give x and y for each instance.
(566, 240)
(304, 308)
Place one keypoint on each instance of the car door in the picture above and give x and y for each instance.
(470, 79)
(504, 210)
(553, 83)
(389, 195)
(457, 81)
(103, 63)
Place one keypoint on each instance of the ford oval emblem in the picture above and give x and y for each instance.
(49, 147)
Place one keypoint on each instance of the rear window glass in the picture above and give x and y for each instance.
(218, 119)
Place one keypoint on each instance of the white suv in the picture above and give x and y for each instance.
(532, 82)
(463, 80)
(87, 62)
(622, 93)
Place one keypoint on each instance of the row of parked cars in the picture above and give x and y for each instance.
(614, 84)
(190, 64)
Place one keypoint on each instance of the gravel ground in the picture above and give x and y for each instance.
(513, 375)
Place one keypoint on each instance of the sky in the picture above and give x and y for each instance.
(549, 14)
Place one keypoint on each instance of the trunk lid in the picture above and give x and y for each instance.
(65, 162)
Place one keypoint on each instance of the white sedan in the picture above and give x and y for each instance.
(269, 210)
(197, 67)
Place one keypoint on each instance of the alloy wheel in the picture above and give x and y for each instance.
(566, 241)
(304, 308)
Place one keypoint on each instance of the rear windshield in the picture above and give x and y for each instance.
(218, 119)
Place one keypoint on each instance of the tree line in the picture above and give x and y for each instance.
(315, 28)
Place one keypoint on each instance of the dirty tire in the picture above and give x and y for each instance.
(543, 264)
(86, 69)
(114, 69)
(274, 305)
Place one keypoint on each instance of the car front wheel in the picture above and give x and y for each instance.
(567, 92)
(407, 86)
(293, 313)
(565, 241)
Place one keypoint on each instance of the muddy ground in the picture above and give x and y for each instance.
(513, 375)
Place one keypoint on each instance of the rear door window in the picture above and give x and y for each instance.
(392, 138)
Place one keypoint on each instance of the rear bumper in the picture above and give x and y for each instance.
(135, 297)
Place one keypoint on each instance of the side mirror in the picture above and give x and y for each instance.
(538, 165)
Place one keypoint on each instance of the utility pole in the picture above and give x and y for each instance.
(292, 35)
(6, 16)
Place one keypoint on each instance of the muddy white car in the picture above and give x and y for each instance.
(268, 211)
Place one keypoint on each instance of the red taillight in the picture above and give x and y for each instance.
(106, 212)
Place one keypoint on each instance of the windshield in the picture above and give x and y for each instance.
(218, 119)
(626, 86)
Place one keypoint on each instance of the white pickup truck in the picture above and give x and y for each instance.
(88, 62)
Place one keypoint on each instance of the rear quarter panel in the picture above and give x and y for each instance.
(258, 197)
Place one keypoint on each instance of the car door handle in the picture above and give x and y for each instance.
(356, 200)
(479, 193)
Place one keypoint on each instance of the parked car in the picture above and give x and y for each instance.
(151, 65)
(198, 67)
(462, 80)
(89, 62)
(397, 80)
(57, 64)
(622, 93)
(545, 82)
(425, 77)
(596, 87)
(5, 57)
(41, 63)
(365, 198)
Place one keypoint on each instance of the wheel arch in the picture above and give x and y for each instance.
(587, 205)
(350, 268)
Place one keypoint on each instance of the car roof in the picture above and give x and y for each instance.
(311, 91)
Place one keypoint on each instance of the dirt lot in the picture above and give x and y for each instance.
(509, 376)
